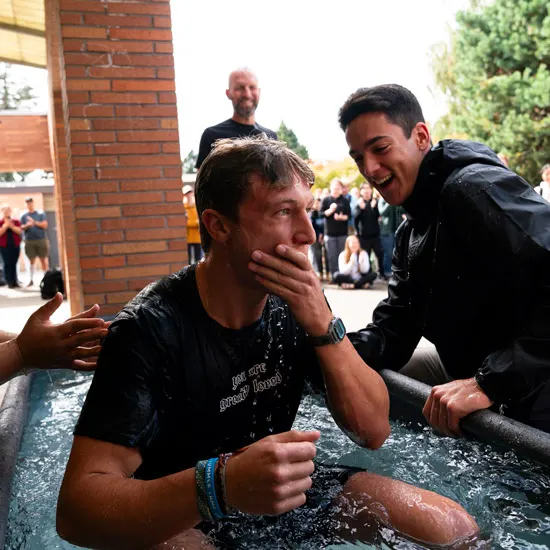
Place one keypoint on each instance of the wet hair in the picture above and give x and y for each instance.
(224, 177)
(398, 104)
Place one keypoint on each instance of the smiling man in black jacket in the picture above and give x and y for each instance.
(471, 266)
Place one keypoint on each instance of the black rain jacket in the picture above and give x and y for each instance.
(472, 275)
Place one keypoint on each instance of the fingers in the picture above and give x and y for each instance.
(289, 504)
(286, 265)
(86, 336)
(89, 313)
(296, 436)
(49, 308)
(76, 325)
(296, 257)
(85, 352)
(298, 470)
(84, 366)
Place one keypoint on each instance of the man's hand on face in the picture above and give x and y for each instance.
(45, 345)
(450, 402)
(291, 277)
(270, 477)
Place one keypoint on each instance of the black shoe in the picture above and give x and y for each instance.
(13, 285)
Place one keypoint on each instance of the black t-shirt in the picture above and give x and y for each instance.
(336, 228)
(178, 386)
(228, 129)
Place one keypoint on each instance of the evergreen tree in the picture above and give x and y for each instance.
(289, 137)
(495, 74)
(189, 163)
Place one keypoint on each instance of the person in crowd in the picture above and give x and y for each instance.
(354, 269)
(10, 244)
(194, 249)
(367, 227)
(316, 248)
(336, 210)
(390, 219)
(543, 188)
(213, 361)
(244, 94)
(471, 267)
(353, 197)
(34, 225)
(43, 345)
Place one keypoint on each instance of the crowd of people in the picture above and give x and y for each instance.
(340, 212)
(188, 422)
(29, 230)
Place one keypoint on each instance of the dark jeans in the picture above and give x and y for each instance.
(10, 255)
(373, 243)
(317, 257)
(340, 278)
(388, 242)
(194, 252)
(334, 245)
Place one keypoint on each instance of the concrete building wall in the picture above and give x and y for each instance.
(115, 135)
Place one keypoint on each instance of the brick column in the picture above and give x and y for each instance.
(124, 146)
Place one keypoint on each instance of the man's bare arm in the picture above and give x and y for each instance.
(101, 506)
(357, 395)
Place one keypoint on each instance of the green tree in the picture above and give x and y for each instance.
(289, 137)
(189, 163)
(13, 95)
(495, 75)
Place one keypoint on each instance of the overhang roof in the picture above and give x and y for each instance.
(22, 32)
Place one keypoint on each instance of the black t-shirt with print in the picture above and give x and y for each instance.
(178, 386)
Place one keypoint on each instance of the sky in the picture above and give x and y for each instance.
(309, 56)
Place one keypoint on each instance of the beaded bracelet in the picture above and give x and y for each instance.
(211, 489)
(202, 500)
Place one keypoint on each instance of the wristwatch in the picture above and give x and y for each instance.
(336, 332)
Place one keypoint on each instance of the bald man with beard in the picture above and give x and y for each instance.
(244, 93)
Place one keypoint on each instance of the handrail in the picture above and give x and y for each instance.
(485, 425)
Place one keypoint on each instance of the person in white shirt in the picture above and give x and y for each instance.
(543, 189)
(354, 269)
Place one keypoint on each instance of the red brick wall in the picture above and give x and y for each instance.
(124, 146)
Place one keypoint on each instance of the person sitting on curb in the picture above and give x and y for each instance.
(354, 269)
(190, 412)
(44, 345)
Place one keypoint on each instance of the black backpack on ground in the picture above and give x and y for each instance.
(51, 283)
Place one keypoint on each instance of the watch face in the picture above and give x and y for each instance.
(339, 328)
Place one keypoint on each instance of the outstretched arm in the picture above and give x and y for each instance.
(357, 395)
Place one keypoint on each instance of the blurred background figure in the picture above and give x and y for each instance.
(10, 242)
(316, 249)
(34, 225)
(194, 248)
(367, 227)
(390, 219)
(354, 269)
(336, 211)
(543, 189)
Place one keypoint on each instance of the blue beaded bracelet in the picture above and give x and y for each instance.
(202, 500)
(211, 496)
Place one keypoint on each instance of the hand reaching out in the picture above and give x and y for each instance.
(45, 345)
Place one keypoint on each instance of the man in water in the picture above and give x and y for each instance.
(213, 360)
(471, 266)
(244, 94)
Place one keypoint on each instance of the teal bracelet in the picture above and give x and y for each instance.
(202, 500)
(213, 503)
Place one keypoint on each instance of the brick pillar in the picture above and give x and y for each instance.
(124, 146)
